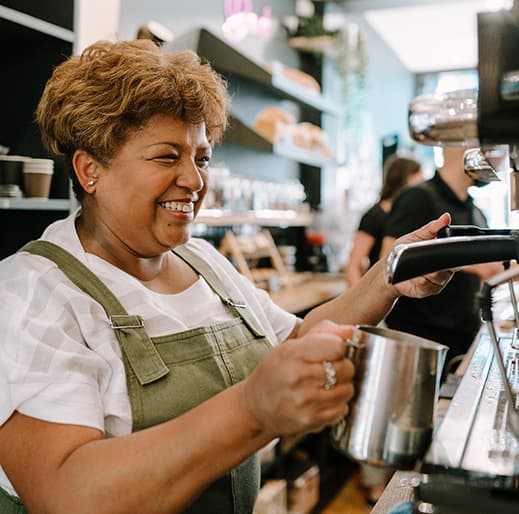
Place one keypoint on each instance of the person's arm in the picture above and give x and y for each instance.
(484, 271)
(62, 468)
(357, 263)
(387, 243)
(372, 297)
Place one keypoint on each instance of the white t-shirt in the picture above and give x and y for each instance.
(60, 360)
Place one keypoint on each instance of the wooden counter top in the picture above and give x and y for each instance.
(311, 290)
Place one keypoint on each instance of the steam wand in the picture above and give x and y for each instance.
(485, 303)
(506, 265)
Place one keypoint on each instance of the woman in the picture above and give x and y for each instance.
(399, 172)
(139, 379)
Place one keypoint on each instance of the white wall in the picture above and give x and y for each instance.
(95, 20)
(185, 17)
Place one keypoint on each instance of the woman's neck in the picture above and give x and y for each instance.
(386, 204)
(111, 249)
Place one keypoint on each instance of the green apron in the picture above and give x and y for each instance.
(169, 375)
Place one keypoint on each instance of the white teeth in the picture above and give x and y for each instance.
(177, 206)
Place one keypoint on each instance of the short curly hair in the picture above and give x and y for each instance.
(94, 101)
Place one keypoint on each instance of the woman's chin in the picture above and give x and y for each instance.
(180, 238)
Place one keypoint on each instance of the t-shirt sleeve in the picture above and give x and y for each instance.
(46, 371)
(372, 222)
(411, 209)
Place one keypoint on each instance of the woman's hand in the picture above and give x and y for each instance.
(432, 283)
(286, 393)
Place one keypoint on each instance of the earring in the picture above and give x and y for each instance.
(91, 183)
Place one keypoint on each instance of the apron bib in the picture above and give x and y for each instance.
(169, 375)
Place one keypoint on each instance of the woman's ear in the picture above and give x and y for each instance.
(86, 169)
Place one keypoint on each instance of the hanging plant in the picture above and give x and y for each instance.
(345, 47)
(351, 62)
(308, 34)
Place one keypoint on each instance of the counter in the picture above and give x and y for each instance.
(312, 290)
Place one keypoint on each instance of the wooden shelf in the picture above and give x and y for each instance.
(226, 58)
(244, 135)
(32, 204)
(41, 26)
(316, 289)
(264, 218)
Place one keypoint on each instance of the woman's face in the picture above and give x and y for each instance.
(415, 178)
(149, 195)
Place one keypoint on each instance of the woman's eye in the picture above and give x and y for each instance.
(203, 162)
(167, 159)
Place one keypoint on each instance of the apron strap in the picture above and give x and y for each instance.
(141, 353)
(214, 281)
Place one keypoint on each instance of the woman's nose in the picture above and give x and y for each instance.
(190, 177)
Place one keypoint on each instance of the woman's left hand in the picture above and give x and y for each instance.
(432, 283)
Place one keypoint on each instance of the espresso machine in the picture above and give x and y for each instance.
(472, 463)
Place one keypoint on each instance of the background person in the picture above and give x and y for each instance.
(139, 371)
(399, 172)
(452, 317)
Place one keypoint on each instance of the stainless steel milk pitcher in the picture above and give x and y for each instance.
(397, 383)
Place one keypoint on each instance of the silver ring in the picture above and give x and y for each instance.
(331, 377)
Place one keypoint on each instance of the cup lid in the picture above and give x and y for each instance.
(14, 158)
(34, 160)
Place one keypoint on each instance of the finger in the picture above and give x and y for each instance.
(342, 393)
(317, 377)
(330, 416)
(332, 405)
(440, 279)
(344, 371)
(318, 347)
(431, 229)
(325, 341)
(330, 327)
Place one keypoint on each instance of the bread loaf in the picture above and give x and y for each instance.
(273, 122)
(310, 136)
(299, 77)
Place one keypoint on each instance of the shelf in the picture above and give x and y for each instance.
(39, 204)
(264, 218)
(224, 57)
(239, 132)
(36, 24)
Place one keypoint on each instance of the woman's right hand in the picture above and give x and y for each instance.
(286, 393)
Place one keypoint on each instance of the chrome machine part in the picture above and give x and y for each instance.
(448, 119)
(487, 315)
(477, 167)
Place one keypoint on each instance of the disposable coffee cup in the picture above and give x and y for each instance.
(37, 177)
(11, 170)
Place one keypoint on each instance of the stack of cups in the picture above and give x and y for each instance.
(37, 177)
(11, 175)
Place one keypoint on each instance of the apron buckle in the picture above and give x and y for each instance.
(232, 303)
(129, 321)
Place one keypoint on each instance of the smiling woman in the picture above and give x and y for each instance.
(146, 199)
(139, 371)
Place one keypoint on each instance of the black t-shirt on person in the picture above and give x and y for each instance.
(373, 222)
(451, 317)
